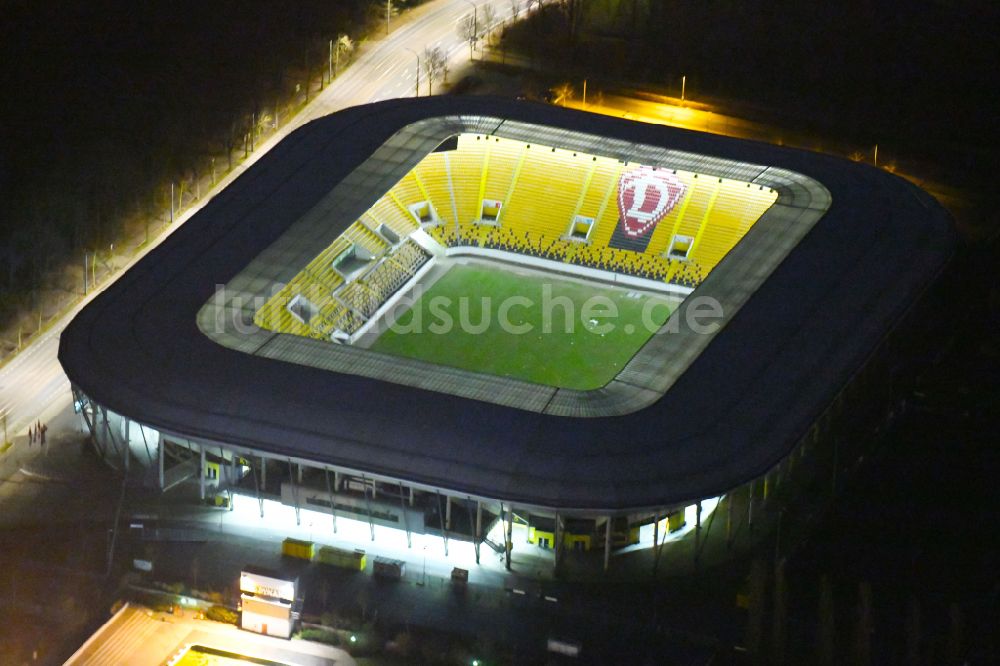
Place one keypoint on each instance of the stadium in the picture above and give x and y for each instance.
(469, 316)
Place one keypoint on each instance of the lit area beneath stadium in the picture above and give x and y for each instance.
(279, 519)
(435, 531)
(428, 552)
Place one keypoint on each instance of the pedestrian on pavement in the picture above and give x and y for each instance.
(44, 428)
(31, 435)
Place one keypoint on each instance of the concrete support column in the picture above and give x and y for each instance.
(442, 522)
(89, 414)
(729, 519)
(656, 529)
(295, 492)
(479, 526)
(336, 481)
(201, 473)
(447, 512)
(300, 474)
(557, 546)
(256, 488)
(406, 520)
(145, 443)
(607, 544)
(127, 442)
(329, 494)
(126, 458)
(508, 528)
(108, 443)
(160, 463)
(368, 504)
(697, 531)
(411, 496)
(263, 473)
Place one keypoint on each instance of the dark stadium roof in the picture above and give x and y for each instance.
(739, 407)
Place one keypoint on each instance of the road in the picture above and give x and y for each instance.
(33, 386)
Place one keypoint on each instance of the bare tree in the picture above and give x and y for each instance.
(434, 63)
(515, 8)
(489, 13)
(864, 626)
(467, 29)
(562, 93)
(827, 632)
(489, 21)
(571, 9)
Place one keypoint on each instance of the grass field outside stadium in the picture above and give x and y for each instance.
(535, 327)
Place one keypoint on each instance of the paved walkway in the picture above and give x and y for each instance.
(137, 636)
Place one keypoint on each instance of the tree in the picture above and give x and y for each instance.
(827, 633)
(864, 626)
(434, 63)
(467, 30)
(956, 635)
(515, 9)
(780, 614)
(757, 610)
(561, 93)
(489, 17)
(344, 45)
(913, 637)
(571, 9)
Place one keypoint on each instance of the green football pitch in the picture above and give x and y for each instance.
(537, 328)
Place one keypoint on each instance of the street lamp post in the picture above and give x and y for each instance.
(683, 85)
(416, 92)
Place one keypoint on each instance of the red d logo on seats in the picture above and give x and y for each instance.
(645, 196)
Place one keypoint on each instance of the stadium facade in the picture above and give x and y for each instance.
(244, 349)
